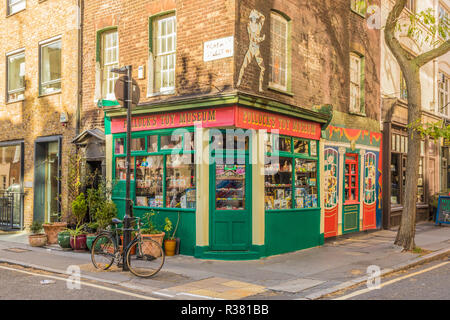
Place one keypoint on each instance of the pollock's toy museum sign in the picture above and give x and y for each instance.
(239, 117)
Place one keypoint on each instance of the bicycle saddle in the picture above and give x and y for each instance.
(116, 221)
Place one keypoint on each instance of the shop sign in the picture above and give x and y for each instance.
(260, 120)
(239, 117)
(211, 117)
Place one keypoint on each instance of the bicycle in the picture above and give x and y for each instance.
(144, 256)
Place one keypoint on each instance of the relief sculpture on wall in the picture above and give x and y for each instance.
(254, 28)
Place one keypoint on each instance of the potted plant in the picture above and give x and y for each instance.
(78, 236)
(64, 239)
(52, 230)
(170, 243)
(151, 232)
(37, 239)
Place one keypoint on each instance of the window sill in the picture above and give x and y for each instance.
(12, 14)
(157, 94)
(43, 95)
(359, 114)
(272, 88)
(15, 101)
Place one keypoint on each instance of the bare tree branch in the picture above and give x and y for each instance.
(389, 34)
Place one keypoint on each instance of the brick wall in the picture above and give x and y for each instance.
(39, 116)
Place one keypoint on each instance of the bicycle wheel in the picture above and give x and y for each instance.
(145, 258)
(103, 251)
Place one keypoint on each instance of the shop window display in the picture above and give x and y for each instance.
(278, 184)
(306, 189)
(149, 181)
(230, 186)
(180, 181)
(119, 147)
(330, 178)
(138, 144)
(152, 143)
(369, 178)
(121, 168)
(301, 146)
(171, 142)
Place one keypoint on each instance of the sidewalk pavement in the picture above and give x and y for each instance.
(306, 274)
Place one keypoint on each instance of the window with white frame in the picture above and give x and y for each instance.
(109, 60)
(356, 83)
(444, 95)
(16, 76)
(16, 6)
(164, 54)
(279, 52)
(50, 60)
(359, 6)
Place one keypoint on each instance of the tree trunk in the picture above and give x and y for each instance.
(406, 233)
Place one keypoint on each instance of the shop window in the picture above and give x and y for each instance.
(230, 140)
(109, 59)
(306, 189)
(330, 179)
(359, 6)
(171, 142)
(152, 143)
(283, 144)
(121, 168)
(16, 77)
(189, 141)
(50, 61)
(301, 147)
(351, 178)
(163, 31)
(138, 144)
(279, 30)
(16, 6)
(370, 174)
(278, 184)
(230, 186)
(119, 146)
(149, 181)
(180, 181)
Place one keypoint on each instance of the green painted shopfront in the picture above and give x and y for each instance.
(241, 174)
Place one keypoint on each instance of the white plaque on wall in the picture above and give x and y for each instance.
(218, 49)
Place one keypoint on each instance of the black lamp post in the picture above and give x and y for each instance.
(127, 103)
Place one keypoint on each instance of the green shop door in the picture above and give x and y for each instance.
(231, 204)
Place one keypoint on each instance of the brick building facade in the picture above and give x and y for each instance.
(248, 64)
(38, 104)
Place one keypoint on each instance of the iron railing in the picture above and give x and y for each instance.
(11, 210)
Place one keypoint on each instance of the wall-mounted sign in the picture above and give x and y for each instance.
(218, 49)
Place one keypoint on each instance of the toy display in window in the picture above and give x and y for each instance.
(121, 169)
(278, 184)
(180, 181)
(171, 142)
(306, 189)
(149, 181)
(230, 187)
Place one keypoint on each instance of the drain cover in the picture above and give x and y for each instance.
(16, 250)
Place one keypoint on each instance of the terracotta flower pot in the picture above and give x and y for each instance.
(133, 251)
(170, 246)
(52, 230)
(149, 248)
(37, 240)
(78, 244)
